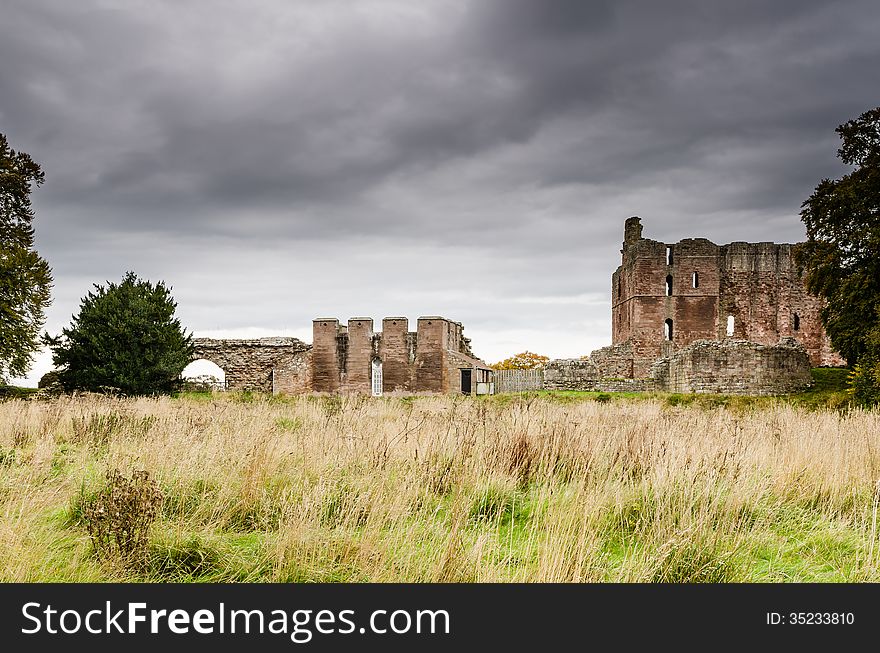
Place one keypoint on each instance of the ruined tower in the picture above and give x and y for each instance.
(667, 295)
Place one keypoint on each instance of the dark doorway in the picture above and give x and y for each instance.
(466, 382)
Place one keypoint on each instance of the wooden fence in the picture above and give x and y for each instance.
(518, 380)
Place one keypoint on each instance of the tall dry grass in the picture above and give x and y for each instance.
(446, 489)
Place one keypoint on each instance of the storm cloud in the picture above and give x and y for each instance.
(276, 161)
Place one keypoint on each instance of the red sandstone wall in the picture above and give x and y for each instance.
(428, 361)
(325, 363)
(430, 369)
(397, 370)
(756, 283)
(357, 376)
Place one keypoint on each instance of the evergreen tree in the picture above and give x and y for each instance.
(125, 338)
(25, 277)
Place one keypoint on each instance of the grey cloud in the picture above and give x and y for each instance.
(493, 146)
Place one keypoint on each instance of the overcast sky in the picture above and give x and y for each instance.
(280, 161)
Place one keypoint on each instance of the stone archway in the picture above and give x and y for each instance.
(263, 364)
(204, 374)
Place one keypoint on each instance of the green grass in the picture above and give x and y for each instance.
(550, 486)
(786, 537)
(829, 389)
(783, 539)
(194, 396)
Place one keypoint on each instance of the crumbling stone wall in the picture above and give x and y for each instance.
(707, 366)
(293, 374)
(570, 374)
(263, 364)
(604, 369)
(614, 362)
(735, 367)
(586, 375)
(701, 287)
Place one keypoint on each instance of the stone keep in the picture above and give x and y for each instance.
(666, 296)
(694, 316)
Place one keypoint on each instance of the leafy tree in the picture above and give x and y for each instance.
(25, 277)
(841, 257)
(126, 338)
(842, 254)
(523, 361)
(864, 379)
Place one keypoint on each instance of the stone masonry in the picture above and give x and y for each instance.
(667, 296)
(694, 316)
(436, 358)
(735, 367)
(354, 359)
(263, 364)
(584, 374)
(705, 366)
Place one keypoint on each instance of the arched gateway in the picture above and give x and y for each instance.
(264, 364)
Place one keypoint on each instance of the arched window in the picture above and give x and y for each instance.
(669, 286)
(696, 279)
(797, 322)
(667, 330)
(668, 255)
(376, 378)
(730, 325)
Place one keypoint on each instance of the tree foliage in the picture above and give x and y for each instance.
(841, 257)
(523, 361)
(864, 379)
(125, 337)
(25, 277)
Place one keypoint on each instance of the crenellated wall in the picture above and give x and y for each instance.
(342, 358)
(429, 360)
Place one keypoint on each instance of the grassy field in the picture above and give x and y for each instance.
(514, 488)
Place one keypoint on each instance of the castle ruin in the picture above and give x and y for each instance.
(436, 358)
(667, 296)
(694, 316)
(690, 316)
(352, 358)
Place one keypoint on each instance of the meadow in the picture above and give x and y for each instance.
(549, 488)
